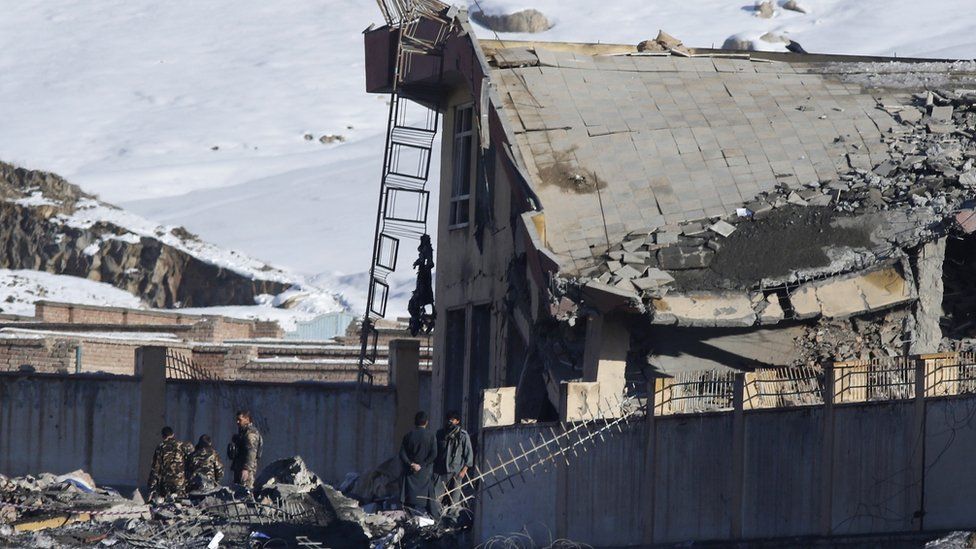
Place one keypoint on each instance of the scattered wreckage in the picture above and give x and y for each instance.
(291, 507)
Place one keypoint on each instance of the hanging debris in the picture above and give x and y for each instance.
(421, 304)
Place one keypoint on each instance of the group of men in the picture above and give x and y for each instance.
(435, 466)
(179, 467)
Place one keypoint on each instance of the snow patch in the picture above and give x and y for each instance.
(36, 198)
(20, 289)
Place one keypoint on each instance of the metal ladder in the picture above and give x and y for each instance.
(401, 214)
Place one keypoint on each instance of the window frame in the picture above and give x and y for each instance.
(462, 143)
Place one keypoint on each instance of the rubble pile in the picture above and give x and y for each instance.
(878, 335)
(290, 506)
(933, 157)
(925, 190)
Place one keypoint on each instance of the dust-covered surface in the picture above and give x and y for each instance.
(775, 245)
(905, 76)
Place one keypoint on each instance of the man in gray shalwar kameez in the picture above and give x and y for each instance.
(454, 457)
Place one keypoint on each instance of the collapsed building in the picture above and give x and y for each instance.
(612, 213)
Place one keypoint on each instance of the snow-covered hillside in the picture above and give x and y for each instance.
(196, 113)
(20, 289)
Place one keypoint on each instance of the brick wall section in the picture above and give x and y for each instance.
(223, 361)
(304, 370)
(270, 363)
(47, 311)
(263, 329)
(109, 356)
(214, 328)
(218, 329)
(55, 354)
(43, 355)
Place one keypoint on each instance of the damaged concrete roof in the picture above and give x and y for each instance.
(618, 144)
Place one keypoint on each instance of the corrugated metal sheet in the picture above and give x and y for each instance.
(322, 327)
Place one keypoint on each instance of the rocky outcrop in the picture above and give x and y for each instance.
(36, 233)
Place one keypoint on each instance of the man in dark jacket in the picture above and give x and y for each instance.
(245, 450)
(454, 457)
(417, 454)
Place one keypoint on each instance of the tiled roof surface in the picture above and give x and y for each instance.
(665, 139)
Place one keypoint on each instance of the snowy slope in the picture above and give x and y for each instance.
(20, 289)
(195, 113)
(936, 28)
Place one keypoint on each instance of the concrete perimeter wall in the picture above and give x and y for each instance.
(861, 474)
(59, 423)
(325, 424)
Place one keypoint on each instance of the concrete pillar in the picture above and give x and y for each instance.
(738, 455)
(928, 310)
(649, 484)
(916, 486)
(405, 378)
(151, 371)
(827, 454)
(605, 356)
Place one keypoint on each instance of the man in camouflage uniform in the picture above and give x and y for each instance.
(245, 450)
(204, 466)
(168, 473)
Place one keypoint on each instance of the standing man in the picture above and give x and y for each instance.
(417, 454)
(245, 450)
(168, 473)
(454, 457)
(204, 466)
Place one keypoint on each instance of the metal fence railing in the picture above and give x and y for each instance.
(693, 392)
(874, 379)
(880, 379)
(782, 387)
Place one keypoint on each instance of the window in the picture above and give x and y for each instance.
(454, 360)
(480, 354)
(461, 176)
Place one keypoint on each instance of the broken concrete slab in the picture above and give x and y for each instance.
(666, 237)
(772, 311)
(579, 400)
(804, 302)
(795, 198)
(942, 114)
(843, 297)
(498, 407)
(607, 298)
(627, 272)
(704, 309)
(723, 228)
(654, 278)
(909, 115)
(636, 258)
(632, 245)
